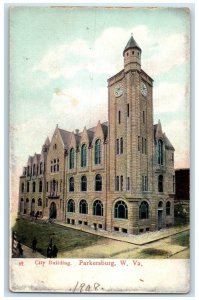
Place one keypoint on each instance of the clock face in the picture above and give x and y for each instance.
(143, 89)
(118, 91)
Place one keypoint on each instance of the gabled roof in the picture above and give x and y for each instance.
(168, 144)
(131, 44)
(66, 136)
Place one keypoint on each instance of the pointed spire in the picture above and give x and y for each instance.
(47, 141)
(132, 44)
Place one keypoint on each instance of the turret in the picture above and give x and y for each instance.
(132, 56)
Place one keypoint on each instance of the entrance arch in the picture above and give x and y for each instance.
(53, 211)
(160, 215)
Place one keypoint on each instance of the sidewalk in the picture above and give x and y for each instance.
(27, 253)
(141, 239)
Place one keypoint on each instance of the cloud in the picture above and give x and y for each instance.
(103, 56)
(170, 97)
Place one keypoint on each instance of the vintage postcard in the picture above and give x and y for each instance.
(99, 149)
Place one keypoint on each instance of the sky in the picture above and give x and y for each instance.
(61, 58)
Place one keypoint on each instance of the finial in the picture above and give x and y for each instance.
(131, 34)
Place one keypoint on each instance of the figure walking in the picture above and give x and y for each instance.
(54, 251)
(20, 250)
(34, 244)
(49, 251)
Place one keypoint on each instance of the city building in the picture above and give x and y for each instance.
(117, 176)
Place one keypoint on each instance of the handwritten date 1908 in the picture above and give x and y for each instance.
(83, 287)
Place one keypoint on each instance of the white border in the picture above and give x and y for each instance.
(195, 134)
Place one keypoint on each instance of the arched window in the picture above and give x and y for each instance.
(71, 205)
(117, 183)
(22, 187)
(160, 183)
(39, 202)
(41, 168)
(98, 182)
(121, 210)
(160, 204)
(26, 206)
(71, 184)
(33, 187)
(40, 186)
(83, 183)
(34, 169)
(117, 147)
(160, 152)
(28, 187)
(144, 210)
(168, 208)
(83, 156)
(72, 158)
(121, 145)
(83, 207)
(98, 152)
(98, 208)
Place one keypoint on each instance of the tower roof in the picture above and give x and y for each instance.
(131, 44)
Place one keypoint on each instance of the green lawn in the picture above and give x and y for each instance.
(64, 238)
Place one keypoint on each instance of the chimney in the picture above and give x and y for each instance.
(76, 131)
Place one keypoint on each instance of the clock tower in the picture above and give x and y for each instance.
(131, 126)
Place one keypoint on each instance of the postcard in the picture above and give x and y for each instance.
(99, 149)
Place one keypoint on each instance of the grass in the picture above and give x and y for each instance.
(181, 239)
(153, 252)
(65, 239)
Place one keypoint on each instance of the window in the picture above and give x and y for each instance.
(121, 210)
(28, 187)
(144, 210)
(144, 183)
(57, 165)
(117, 147)
(168, 208)
(41, 168)
(60, 186)
(47, 186)
(138, 143)
(98, 152)
(142, 145)
(121, 183)
(83, 207)
(121, 145)
(72, 158)
(34, 170)
(160, 152)
(173, 183)
(143, 116)
(97, 208)
(33, 187)
(71, 206)
(83, 183)
(22, 187)
(145, 146)
(98, 182)
(83, 156)
(117, 183)
(71, 184)
(128, 184)
(40, 186)
(172, 156)
(160, 183)
(39, 202)
(132, 52)
(119, 116)
(128, 110)
(55, 146)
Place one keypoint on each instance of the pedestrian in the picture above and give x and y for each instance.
(54, 251)
(34, 244)
(19, 248)
(49, 251)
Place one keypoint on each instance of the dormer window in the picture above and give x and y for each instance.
(127, 54)
(132, 52)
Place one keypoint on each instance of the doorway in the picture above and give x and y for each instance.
(53, 211)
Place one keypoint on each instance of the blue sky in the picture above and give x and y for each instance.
(60, 59)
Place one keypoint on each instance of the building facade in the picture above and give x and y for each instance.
(117, 176)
